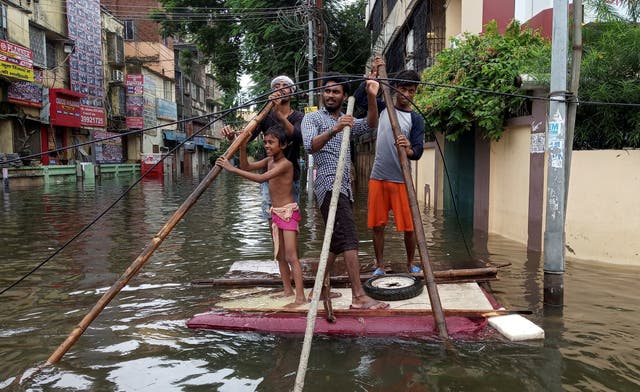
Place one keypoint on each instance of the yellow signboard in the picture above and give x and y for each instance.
(16, 61)
(310, 109)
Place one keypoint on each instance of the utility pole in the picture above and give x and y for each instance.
(320, 44)
(310, 178)
(554, 238)
(310, 50)
(574, 85)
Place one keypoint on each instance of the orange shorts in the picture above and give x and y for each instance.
(385, 196)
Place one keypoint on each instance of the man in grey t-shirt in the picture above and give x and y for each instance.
(387, 190)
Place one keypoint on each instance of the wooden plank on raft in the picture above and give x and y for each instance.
(456, 296)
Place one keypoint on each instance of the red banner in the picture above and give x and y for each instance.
(135, 101)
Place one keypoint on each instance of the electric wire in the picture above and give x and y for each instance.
(350, 79)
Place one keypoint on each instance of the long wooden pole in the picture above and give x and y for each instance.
(324, 255)
(157, 240)
(430, 282)
(479, 274)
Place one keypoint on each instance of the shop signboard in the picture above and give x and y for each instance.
(135, 101)
(25, 93)
(110, 150)
(166, 110)
(64, 108)
(16, 61)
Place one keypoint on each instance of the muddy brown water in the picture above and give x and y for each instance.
(140, 342)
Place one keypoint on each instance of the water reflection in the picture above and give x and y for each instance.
(140, 341)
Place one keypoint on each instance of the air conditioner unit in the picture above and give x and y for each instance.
(117, 75)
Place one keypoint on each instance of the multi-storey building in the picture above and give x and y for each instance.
(42, 108)
(164, 100)
(411, 33)
(195, 98)
(147, 75)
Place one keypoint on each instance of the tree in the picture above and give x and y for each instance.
(348, 51)
(604, 10)
(219, 41)
(610, 73)
(264, 38)
(457, 97)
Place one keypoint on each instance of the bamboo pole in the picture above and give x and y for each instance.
(432, 289)
(155, 242)
(481, 274)
(324, 254)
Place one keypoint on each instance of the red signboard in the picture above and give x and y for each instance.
(135, 101)
(91, 116)
(65, 107)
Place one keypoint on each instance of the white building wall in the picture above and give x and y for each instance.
(527, 9)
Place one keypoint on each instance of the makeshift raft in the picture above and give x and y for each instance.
(466, 308)
(464, 304)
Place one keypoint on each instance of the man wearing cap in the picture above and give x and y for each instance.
(282, 113)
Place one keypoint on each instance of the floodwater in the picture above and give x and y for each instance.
(140, 342)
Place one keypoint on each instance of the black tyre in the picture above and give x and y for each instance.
(393, 287)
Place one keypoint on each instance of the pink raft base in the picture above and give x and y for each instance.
(354, 325)
(399, 325)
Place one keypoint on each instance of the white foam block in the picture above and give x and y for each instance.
(267, 267)
(515, 327)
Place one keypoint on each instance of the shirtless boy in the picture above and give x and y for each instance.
(284, 211)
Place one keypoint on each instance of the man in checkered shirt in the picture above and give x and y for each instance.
(322, 137)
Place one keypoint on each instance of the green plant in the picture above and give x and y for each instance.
(453, 104)
(255, 149)
(265, 38)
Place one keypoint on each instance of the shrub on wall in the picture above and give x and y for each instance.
(453, 103)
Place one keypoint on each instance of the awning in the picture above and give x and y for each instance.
(210, 147)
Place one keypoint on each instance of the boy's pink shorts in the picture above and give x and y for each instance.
(291, 225)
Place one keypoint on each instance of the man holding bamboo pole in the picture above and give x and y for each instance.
(283, 114)
(387, 190)
(322, 137)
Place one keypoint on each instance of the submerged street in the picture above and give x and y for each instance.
(140, 341)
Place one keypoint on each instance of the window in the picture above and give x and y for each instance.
(51, 55)
(129, 30)
(119, 104)
(115, 49)
(38, 47)
(3, 21)
(167, 90)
